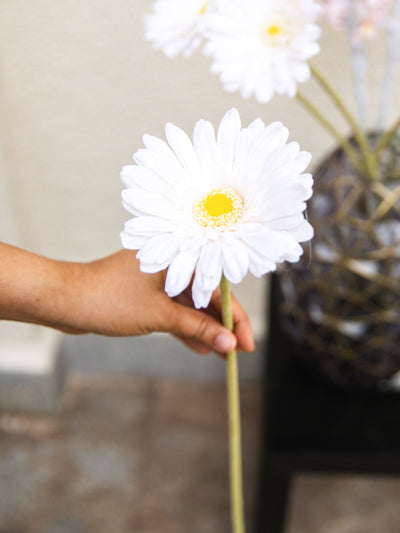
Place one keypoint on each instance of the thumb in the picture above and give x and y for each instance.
(200, 331)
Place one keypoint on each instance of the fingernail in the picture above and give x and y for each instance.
(224, 343)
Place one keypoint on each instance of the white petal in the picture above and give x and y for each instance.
(302, 70)
(256, 128)
(132, 242)
(242, 155)
(307, 182)
(235, 261)
(148, 226)
(201, 298)
(261, 146)
(264, 89)
(209, 266)
(228, 132)
(292, 166)
(303, 232)
(208, 274)
(206, 148)
(285, 223)
(166, 156)
(302, 161)
(155, 144)
(259, 260)
(157, 253)
(277, 135)
(139, 202)
(183, 148)
(144, 178)
(259, 265)
(291, 249)
(266, 243)
(164, 165)
(180, 272)
(287, 201)
(127, 175)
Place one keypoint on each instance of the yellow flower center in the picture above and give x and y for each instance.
(203, 8)
(367, 30)
(277, 31)
(273, 30)
(218, 208)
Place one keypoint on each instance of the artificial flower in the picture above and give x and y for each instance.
(335, 12)
(223, 204)
(262, 47)
(177, 26)
(362, 17)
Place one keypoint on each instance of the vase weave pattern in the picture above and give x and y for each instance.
(342, 300)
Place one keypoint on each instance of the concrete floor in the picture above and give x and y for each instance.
(147, 455)
(124, 455)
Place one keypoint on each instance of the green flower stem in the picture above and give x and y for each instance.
(235, 448)
(370, 161)
(346, 146)
(387, 138)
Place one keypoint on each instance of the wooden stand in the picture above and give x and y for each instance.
(310, 426)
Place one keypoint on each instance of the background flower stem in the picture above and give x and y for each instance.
(346, 146)
(359, 134)
(387, 138)
(235, 447)
(358, 57)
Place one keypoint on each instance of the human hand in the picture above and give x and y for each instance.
(113, 297)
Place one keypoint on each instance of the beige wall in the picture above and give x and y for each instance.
(78, 88)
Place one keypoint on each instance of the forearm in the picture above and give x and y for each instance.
(34, 288)
(96, 297)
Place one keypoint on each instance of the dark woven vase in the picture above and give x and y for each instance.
(341, 302)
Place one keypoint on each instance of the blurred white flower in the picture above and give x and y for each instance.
(177, 26)
(262, 47)
(230, 203)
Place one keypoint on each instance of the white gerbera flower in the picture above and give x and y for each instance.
(220, 205)
(177, 26)
(261, 47)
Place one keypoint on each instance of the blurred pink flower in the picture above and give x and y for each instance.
(335, 12)
(363, 17)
